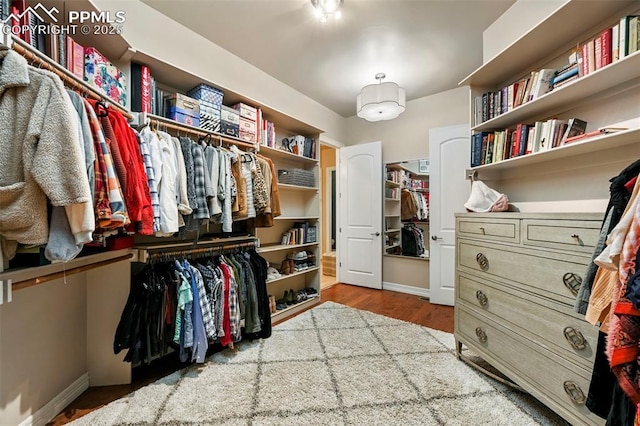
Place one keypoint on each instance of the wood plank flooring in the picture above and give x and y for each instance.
(392, 304)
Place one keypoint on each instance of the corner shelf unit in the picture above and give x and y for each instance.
(400, 177)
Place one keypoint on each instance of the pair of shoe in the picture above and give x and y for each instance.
(290, 297)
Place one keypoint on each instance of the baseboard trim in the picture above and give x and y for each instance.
(401, 288)
(57, 404)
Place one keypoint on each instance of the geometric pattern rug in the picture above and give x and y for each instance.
(331, 365)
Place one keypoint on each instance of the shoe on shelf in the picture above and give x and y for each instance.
(281, 304)
(272, 304)
(290, 296)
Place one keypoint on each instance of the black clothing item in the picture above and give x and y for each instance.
(260, 266)
(599, 398)
(623, 411)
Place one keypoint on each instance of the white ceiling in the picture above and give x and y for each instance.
(426, 46)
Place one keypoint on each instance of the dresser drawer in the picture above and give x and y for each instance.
(489, 229)
(554, 275)
(569, 235)
(533, 367)
(553, 325)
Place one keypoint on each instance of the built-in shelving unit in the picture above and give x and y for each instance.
(563, 189)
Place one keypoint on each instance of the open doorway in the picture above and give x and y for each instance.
(328, 240)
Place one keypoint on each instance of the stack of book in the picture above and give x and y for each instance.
(492, 147)
(493, 104)
(301, 233)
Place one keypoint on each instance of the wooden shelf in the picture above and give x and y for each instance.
(407, 257)
(391, 199)
(590, 145)
(579, 90)
(297, 187)
(297, 218)
(278, 247)
(567, 23)
(295, 274)
(391, 184)
(279, 153)
(40, 60)
(290, 310)
(392, 231)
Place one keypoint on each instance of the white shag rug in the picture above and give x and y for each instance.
(332, 365)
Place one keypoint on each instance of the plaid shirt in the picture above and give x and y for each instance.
(119, 216)
(234, 306)
(205, 306)
(100, 196)
(201, 211)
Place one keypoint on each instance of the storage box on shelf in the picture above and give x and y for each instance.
(183, 109)
(210, 106)
(229, 122)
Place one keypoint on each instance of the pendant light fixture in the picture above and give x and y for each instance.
(326, 8)
(382, 101)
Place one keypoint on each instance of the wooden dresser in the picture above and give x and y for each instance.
(517, 277)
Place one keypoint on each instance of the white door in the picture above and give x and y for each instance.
(449, 150)
(360, 238)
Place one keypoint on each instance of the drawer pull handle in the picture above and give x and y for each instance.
(575, 338)
(572, 282)
(574, 392)
(482, 336)
(575, 236)
(482, 261)
(482, 230)
(482, 298)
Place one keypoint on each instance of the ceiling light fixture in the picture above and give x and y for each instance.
(326, 8)
(382, 101)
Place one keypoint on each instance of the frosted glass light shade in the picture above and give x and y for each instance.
(384, 101)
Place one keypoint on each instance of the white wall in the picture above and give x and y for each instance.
(514, 23)
(153, 33)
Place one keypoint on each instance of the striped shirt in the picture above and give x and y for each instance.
(143, 139)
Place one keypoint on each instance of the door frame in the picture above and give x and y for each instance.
(328, 206)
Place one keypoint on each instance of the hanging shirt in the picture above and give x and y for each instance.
(144, 139)
(167, 186)
(201, 211)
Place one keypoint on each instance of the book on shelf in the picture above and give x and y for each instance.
(575, 127)
(564, 75)
(626, 36)
(140, 88)
(75, 57)
(632, 35)
(476, 150)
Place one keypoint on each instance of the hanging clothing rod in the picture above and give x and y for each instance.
(38, 59)
(188, 249)
(57, 275)
(166, 123)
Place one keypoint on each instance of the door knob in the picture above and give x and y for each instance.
(435, 238)
(377, 234)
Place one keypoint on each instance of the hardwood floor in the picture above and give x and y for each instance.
(392, 304)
